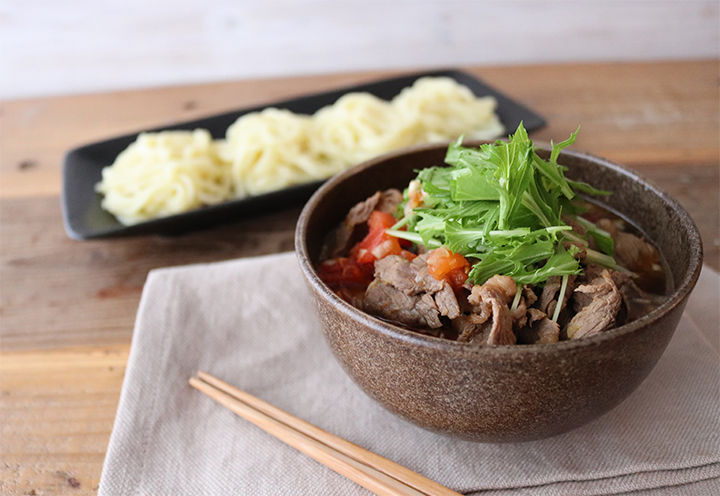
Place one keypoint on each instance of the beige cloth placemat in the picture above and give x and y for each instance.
(251, 323)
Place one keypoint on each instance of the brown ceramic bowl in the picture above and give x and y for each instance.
(499, 393)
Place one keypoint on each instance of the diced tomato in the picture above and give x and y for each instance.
(441, 261)
(416, 196)
(384, 220)
(345, 272)
(377, 244)
(446, 265)
(408, 255)
(352, 274)
(457, 277)
(381, 220)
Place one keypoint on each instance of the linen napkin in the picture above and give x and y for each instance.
(251, 323)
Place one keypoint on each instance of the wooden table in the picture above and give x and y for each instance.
(68, 307)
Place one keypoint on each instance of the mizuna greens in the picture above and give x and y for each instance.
(503, 205)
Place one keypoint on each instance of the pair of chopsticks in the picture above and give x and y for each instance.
(371, 471)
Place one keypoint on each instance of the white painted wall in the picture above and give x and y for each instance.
(69, 46)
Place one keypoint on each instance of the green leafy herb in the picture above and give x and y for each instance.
(502, 205)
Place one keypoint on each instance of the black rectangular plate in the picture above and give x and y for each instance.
(82, 168)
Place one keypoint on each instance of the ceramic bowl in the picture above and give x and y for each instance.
(499, 393)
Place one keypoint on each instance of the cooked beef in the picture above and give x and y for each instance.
(476, 307)
(547, 331)
(592, 273)
(404, 291)
(540, 330)
(550, 293)
(529, 295)
(534, 315)
(492, 298)
(412, 278)
(425, 281)
(423, 300)
(581, 300)
(601, 312)
(389, 200)
(447, 302)
(520, 314)
(631, 252)
(501, 332)
(502, 288)
(390, 303)
(342, 238)
(399, 273)
(472, 329)
(552, 286)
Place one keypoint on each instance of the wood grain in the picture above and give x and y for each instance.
(57, 409)
(67, 308)
(57, 292)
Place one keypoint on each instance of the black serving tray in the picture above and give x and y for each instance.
(85, 219)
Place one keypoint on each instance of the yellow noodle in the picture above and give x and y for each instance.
(171, 172)
(357, 127)
(440, 109)
(271, 150)
(163, 174)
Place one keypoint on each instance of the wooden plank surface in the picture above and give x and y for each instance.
(68, 307)
(57, 409)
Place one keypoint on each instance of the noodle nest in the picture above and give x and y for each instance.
(170, 172)
(165, 173)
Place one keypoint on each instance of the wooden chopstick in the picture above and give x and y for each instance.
(371, 471)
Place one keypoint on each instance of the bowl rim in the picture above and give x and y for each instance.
(680, 293)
